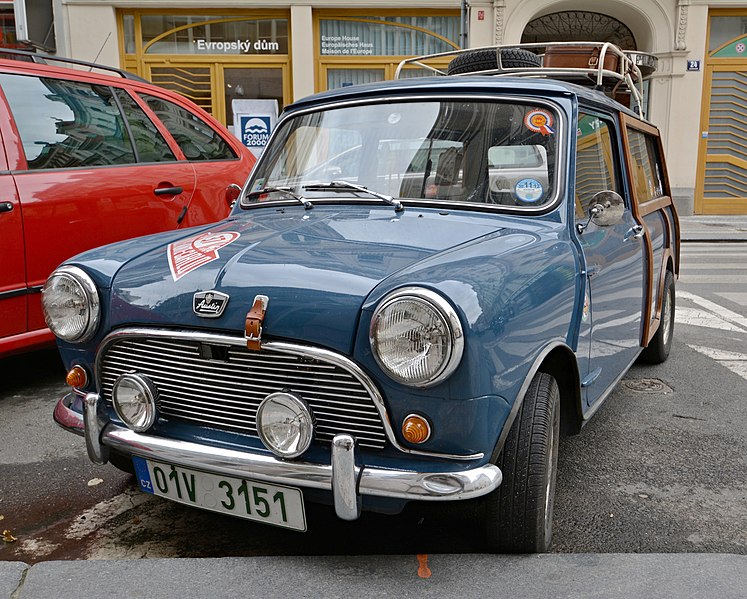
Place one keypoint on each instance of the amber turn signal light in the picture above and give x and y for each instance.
(77, 377)
(416, 429)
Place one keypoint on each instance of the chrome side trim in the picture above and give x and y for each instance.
(15, 293)
(281, 347)
(379, 482)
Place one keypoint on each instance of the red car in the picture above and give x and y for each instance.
(87, 159)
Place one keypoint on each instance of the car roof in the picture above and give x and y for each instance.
(471, 84)
(120, 77)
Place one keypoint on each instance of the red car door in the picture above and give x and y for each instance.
(221, 165)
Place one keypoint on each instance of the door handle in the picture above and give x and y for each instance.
(6, 206)
(635, 232)
(167, 191)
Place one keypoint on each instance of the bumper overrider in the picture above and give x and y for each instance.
(346, 480)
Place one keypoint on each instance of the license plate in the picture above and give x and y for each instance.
(252, 500)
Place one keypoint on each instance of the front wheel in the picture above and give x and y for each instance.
(517, 516)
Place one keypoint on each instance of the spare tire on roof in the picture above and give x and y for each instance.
(487, 60)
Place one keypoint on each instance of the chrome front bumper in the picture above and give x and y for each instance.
(342, 477)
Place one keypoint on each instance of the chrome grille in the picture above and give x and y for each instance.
(225, 393)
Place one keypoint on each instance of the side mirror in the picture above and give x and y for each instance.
(233, 192)
(607, 208)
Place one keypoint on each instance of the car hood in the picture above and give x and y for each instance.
(316, 267)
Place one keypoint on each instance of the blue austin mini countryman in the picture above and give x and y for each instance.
(423, 284)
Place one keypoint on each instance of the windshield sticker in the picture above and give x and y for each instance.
(189, 254)
(529, 190)
(539, 121)
(258, 184)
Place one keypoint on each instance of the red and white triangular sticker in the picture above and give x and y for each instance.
(189, 254)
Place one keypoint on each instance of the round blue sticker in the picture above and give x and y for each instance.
(529, 191)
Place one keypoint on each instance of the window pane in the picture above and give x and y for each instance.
(150, 144)
(243, 84)
(66, 124)
(128, 25)
(196, 138)
(595, 169)
(337, 78)
(214, 35)
(647, 172)
(388, 36)
(725, 29)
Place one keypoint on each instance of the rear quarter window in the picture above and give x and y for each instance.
(648, 175)
(197, 139)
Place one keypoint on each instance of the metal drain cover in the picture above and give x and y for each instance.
(647, 386)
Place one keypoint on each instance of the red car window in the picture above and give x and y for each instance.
(67, 124)
(150, 145)
(196, 138)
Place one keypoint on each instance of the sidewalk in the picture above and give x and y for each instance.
(714, 229)
(555, 576)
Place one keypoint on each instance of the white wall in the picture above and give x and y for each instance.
(91, 32)
(302, 51)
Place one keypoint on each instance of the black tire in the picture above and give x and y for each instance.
(517, 516)
(122, 462)
(486, 60)
(660, 345)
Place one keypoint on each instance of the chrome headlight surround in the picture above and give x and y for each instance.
(421, 319)
(135, 399)
(71, 305)
(285, 424)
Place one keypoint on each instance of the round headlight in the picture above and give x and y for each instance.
(285, 424)
(71, 304)
(134, 397)
(416, 337)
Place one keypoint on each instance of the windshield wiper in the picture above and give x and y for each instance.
(282, 190)
(346, 185)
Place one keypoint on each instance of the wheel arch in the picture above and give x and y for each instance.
(559, 361)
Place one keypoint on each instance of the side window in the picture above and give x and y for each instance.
(595, 161)
(646, 164)
(66, 124)
(196, 138)
(149, 143)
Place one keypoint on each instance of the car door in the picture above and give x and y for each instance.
(613, 253)
(12, 255)
(86, 176)
(220, 168)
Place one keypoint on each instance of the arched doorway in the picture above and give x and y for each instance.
(569, 25)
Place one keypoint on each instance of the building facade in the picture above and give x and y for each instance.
(248, 49)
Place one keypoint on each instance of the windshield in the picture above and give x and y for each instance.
(470, 151)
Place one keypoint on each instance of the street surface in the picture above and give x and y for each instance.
(660, 468)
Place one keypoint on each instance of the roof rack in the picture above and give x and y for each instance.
(599, 64)
(40, 58)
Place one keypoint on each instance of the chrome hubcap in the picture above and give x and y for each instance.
(666, 317)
